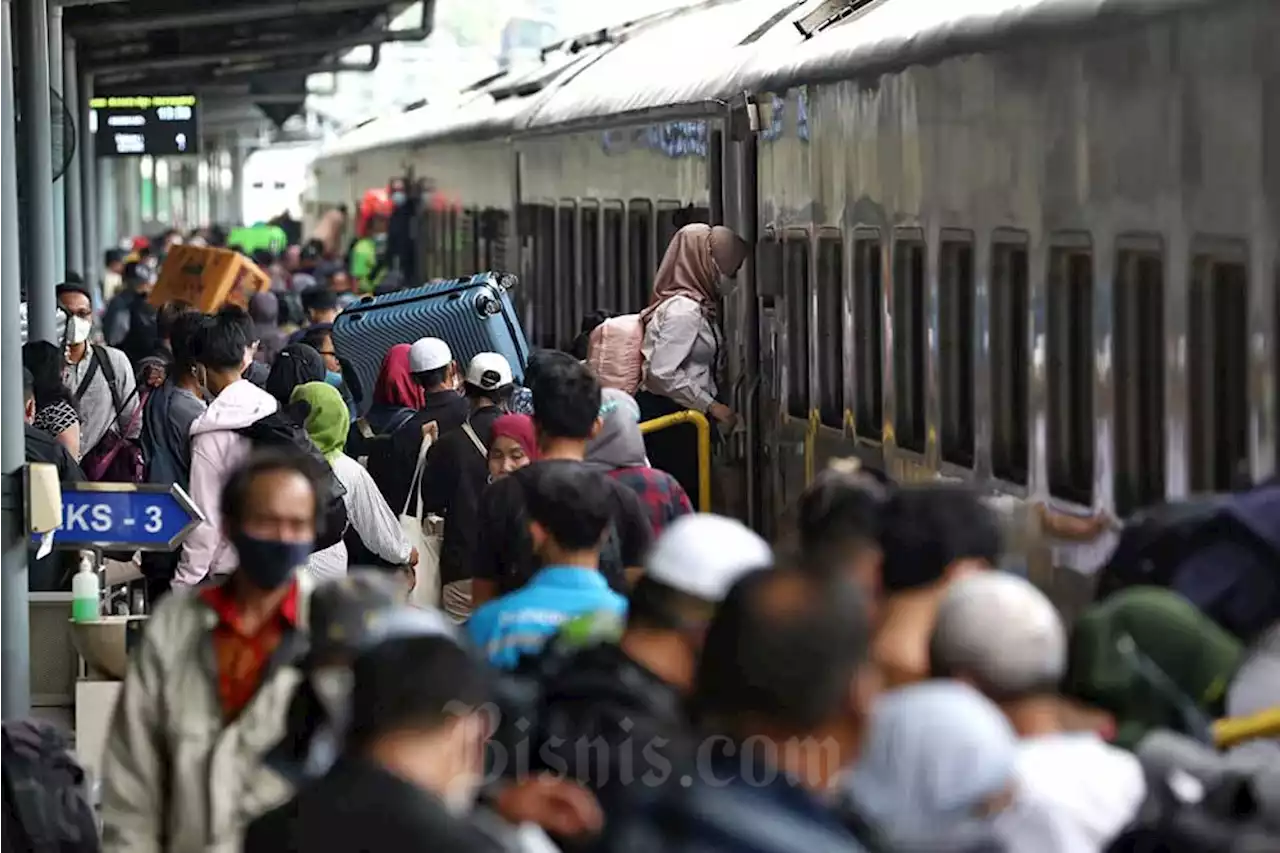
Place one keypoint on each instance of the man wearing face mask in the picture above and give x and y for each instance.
(217, 443)
(207, 689)
(412, 764)
(100, 377)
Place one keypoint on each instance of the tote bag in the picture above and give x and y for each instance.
(424, 532)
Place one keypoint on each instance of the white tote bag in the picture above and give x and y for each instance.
(424, 532)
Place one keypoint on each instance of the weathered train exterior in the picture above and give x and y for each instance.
(1033, 245)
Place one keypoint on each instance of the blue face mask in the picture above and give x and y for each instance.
(397, 199)
(333, 378)
(267, 563)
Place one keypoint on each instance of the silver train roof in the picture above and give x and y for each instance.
(693, 59)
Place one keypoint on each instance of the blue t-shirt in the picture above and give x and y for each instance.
(521, 623)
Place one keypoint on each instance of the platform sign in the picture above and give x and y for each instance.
(134, 125)
(123, 517)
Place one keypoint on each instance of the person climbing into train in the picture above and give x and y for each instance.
(682, 343)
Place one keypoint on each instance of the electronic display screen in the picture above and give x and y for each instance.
(134, 125)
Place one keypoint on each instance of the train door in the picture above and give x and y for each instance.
(734, 203)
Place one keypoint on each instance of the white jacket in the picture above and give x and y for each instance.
(176, 777)
(216, 450)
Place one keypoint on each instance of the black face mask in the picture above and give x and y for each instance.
(267, 563)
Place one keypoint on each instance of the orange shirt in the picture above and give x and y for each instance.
(242, 657)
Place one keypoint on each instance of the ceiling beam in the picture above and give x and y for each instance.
(220, 17)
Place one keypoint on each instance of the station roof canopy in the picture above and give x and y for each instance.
(257, 50)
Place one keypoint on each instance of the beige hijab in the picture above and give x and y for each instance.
(694, 261)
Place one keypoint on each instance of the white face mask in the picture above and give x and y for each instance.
(78, 330)
(725, 286)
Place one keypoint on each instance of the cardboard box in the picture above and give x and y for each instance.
(208, 278)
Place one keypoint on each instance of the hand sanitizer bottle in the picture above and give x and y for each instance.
(85, 591)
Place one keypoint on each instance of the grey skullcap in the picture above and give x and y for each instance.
(999, 629)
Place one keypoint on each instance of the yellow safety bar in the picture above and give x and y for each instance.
(1230, 731)
(699, 420)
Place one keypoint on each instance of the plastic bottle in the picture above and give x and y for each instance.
(85, 592)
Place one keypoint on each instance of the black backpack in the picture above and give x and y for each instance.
(46, 802)
(1221, 552)
(276, 430)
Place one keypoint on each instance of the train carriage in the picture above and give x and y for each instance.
(1031, 244)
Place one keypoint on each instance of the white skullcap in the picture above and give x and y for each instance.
(428, 354)
(703, 555)
(998, 628)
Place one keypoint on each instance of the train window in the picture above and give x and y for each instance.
(830, 284)
(670, 217)
(613, 298)
(1009, 357)
(795, 255)
(430, 245)
(909, 342)
(568, 297)
(544, 265)
(1137, 359)
(590, 251)
(492, 239)
(955, 346)
(466, 261)
(1069, 373)
(868, 334)
(639, 253)
(1218, 367)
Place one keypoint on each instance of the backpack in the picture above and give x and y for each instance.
(276, 430)
(1221, 552)
(115, 458)
(613, 352)
(46, 802)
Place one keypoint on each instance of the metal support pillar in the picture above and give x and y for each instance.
(59, 185)
(37, 170)
(15, 651)
(87, 160)
(108, 204)
(237, 183)
(75, 207)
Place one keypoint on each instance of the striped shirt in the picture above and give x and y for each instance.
(521, 623)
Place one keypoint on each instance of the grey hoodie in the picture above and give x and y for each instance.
(619, 444)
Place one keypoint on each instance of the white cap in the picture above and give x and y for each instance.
(704, 555)
(998, 628)
(489, 371)
(428, 354)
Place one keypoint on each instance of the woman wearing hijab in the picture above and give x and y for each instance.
(682, 343)
(297, 364)
(264, 310)
(513, 445)
(1152, 660)
(939, 762)
(619, 448)
(370, 517)
(396, 399)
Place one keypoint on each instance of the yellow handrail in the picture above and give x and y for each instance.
(1230, 731)
(699, 420)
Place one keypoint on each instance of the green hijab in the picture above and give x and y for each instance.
(1197, 656)
(329, 419)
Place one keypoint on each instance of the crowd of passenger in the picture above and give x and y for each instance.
(472, 614)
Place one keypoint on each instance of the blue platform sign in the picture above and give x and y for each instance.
(120, 516)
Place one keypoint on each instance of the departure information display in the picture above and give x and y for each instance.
(133, 125)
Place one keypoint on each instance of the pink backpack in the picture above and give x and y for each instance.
(613, 352)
